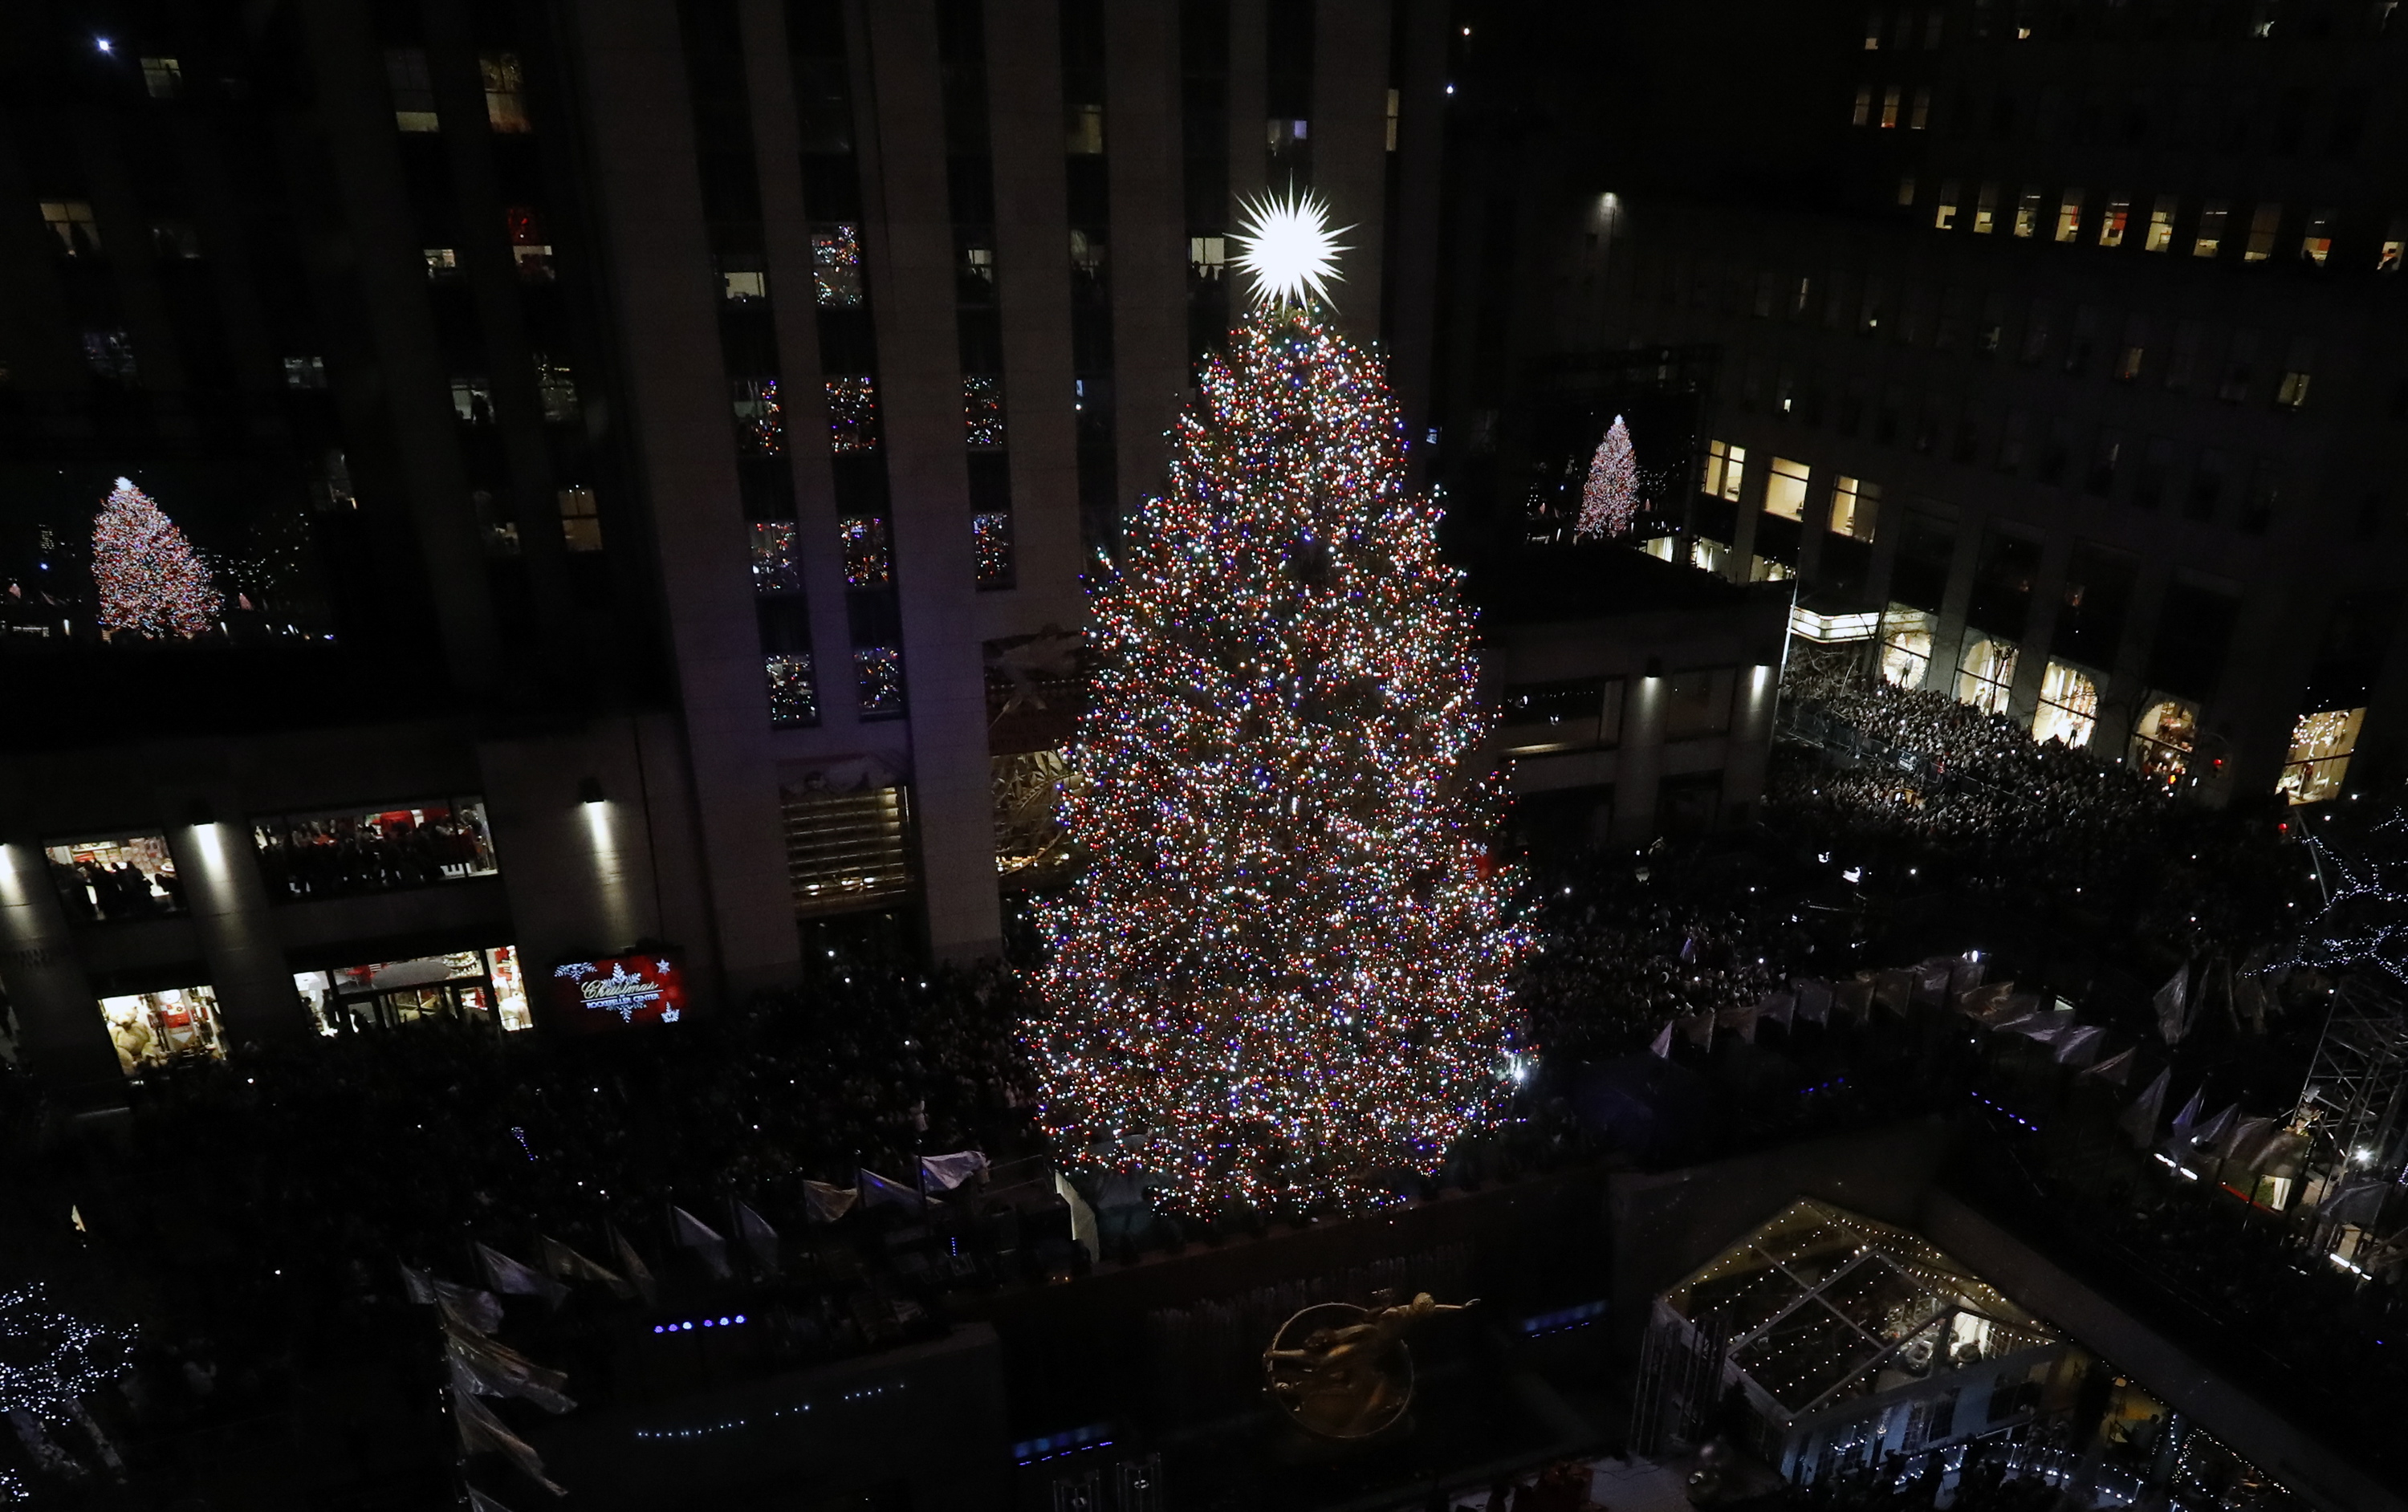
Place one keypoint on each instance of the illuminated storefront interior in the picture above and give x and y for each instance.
(128, 877)
(152, 1030)
(462, 987)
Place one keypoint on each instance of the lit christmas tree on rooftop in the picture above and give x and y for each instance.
(1610, 500)
(1283, 976)
(152, 582)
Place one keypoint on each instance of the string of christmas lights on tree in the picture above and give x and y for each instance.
(2364, 920)
(48, 1359)
(151, 581)
(1284, 977)
(1610, 499)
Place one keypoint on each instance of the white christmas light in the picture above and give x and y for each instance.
(1289, 250)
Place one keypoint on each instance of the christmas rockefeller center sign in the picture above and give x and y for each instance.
(617, 992)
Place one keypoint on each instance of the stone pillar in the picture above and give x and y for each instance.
(231, 917)
(1641, 761)
(59, 1029)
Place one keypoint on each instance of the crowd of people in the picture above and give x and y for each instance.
(1619, 954)
(1927, 794)
(348, 1154)
(325, 857)
(92, 889)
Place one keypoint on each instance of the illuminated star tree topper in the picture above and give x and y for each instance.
(1287, 249)
(151, 581)
(1284, 977)
(1610, 497)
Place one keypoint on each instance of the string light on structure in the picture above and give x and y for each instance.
(1287, 248)
(1284, 977)
(2364, 921)
(151, 581)
(49, 1360)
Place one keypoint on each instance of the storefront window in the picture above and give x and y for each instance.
(2068, 705)
(151, 1030)
(2163, 741)
(2321, 744)
(1984, 675)
(1906, 647)
(132, 878)
(465, 986)
(348, 851)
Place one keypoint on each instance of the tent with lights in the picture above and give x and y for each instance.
(1823, 1339)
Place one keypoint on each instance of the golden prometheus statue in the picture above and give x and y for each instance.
(1341, 1371)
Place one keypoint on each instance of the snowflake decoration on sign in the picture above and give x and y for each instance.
(576, 971)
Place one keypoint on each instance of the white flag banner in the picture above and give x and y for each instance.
(1814, 999)
(691, 1232)
(1852, 1000)
(759, 1236)
(1932, 977)
(1742, 1020)
(944, 1173)
(2212, 1134)
(2173, 1002)
(2359, 1202)
(2079, 1045)
(480, 1431)
(1661, 1047)
(492, 1369)
(1965, 974)
(1894, 990)
(2116, 1068)
(877, 1192)
(1698, 1029)
(479, 1502)
(1778, 1007)
(2139, 1122)
(466, 1305)
(824, 1203)
(2247, 1144)
(569, 1266)
(506, 1274)
(1984, 1003)
(640, 1275)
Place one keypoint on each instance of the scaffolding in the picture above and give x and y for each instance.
(2354, 1102)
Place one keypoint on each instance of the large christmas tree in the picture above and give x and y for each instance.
(150, 580)
(1283, 977)
(1610, 500)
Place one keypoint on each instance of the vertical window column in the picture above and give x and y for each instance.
(748, 340)
(1089, 184)
(1204, 130)
(970, 179)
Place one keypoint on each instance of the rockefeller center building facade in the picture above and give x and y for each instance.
(493, 488)
(2054, 347)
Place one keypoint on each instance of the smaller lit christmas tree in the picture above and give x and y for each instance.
(151, 581)
(1611, 499)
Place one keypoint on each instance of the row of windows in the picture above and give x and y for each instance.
(2230, 120)
(333, 853)
(2204, 357)
(412, 86)
(2210, 228)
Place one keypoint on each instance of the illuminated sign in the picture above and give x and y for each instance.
(617, 991)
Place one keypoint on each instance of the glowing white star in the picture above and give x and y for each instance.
(1289, 250)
